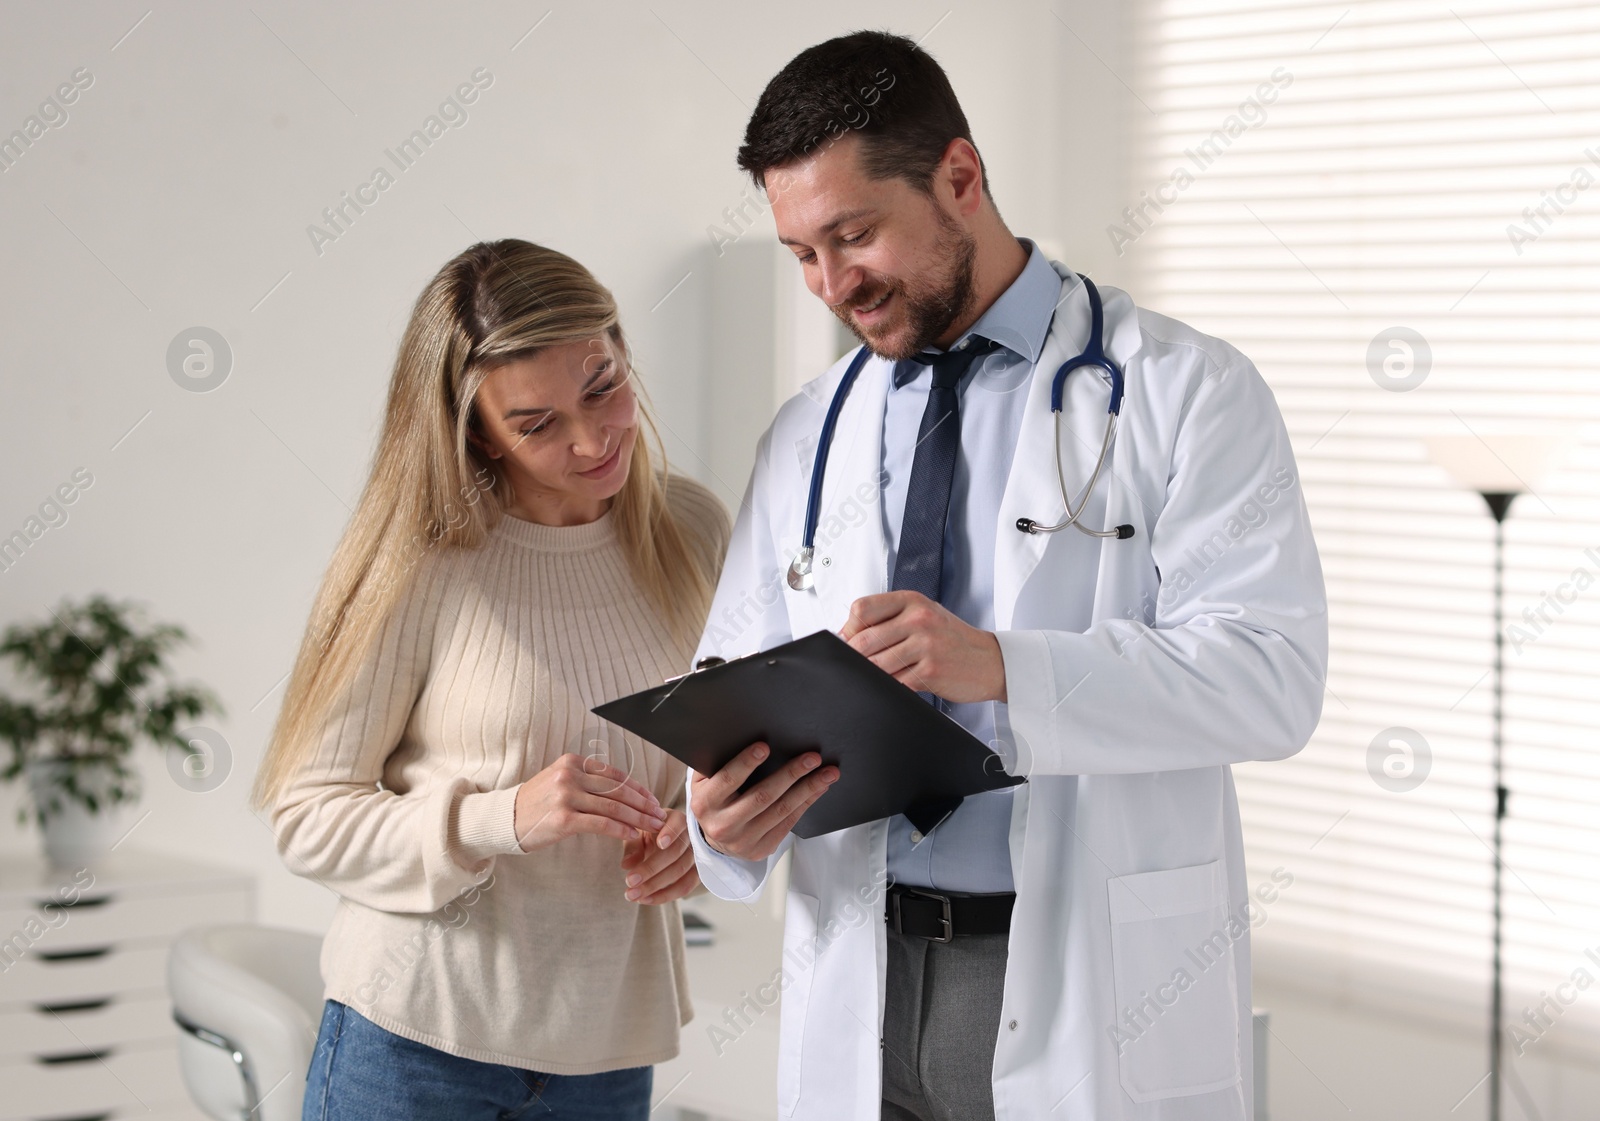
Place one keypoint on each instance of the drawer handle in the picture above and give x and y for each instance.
(86, 1117)
(63, 1058)
(72, 955)
(72, 1006)
(80, 902)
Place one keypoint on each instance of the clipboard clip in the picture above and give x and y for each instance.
(710, 661)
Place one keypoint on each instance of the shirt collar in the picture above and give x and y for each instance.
(1018, 320)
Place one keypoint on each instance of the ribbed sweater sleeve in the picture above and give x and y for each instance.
(336, 824)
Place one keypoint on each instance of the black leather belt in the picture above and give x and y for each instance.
(940, 916)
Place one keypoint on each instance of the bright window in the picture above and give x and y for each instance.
(1321, 175)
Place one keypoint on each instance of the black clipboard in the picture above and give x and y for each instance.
(893, 749)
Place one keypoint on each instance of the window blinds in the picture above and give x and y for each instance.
(1393, 207)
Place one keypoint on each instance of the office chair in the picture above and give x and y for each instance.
(249, 1001)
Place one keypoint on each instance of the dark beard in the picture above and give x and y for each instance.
(930, 312)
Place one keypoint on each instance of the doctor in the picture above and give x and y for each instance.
(1076, 947)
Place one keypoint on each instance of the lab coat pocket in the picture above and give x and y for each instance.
(799, 964)
(1177, 1014)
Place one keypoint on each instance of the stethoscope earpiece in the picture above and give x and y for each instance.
(1028, 525)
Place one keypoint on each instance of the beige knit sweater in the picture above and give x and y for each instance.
(447, 933)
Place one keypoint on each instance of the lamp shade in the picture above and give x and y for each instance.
(1501, 464)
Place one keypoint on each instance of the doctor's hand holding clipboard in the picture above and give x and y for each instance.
(905, 634)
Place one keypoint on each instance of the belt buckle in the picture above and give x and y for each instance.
(944, 901)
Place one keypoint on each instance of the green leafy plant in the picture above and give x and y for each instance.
(100, 684)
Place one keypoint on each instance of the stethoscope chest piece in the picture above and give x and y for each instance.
(800, 578)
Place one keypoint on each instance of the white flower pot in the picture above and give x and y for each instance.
(73, 837)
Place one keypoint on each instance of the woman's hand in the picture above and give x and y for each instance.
(582, 795)
(660, 865)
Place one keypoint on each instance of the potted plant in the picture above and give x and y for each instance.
(97, 684)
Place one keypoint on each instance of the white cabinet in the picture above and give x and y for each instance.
(86, 1029)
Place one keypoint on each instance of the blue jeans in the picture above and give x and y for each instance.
(361, 1072)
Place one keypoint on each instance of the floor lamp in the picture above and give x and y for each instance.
(1498, 473)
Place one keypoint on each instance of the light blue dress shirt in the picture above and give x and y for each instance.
(970, 850)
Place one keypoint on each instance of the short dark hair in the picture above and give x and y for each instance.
(883, 86)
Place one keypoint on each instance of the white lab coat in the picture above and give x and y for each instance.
(1136, 672)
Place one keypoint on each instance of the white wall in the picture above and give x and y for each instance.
(178, 194)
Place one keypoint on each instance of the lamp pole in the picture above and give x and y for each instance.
(1498, 474)
(1499, 503)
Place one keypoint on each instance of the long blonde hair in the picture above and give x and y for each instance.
(431, 487)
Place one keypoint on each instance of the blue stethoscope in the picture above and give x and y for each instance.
(800, 577)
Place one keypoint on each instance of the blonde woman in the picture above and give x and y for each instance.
(507, 941)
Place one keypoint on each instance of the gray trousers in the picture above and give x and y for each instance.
(940, 1020)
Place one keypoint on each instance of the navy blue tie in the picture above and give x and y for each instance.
(919, 561)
